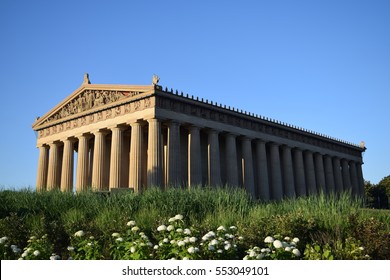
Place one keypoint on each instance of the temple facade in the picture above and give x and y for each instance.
(123, 136)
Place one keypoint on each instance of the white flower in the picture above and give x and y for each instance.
(229, 236)
(268, 239)
(171, 220)
(80, 233)
(227, 246)
(219, 251)
(296, 252)
(179, 217)
(252, 254)
(361, 248)
(115, 234)
(55, 257)
(233, 227)
(162, 228)
(165, 240)
(221, 228)
(185, 259)
(170, 228)
(260, 256)
(36, 253)
(187, 231)
(191, 250)
(211, 248)
(155, 247)
(70, 248)
(173, 242)
(3, 239)
(245, 258)
(132, 249)
(135, 229)
(179, 230)
(25, 253)
(193, 239)
(277, 244)
(131, 223)
(119, 239)
(150, 244)
(89, 244)
(295, 240)
(240, 238)
(288, 249)
(181, 243)
(214, 242)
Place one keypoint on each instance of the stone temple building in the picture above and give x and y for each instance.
(132, 136)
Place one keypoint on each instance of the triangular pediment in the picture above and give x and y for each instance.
(89, 98)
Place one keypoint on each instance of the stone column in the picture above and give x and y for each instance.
(98, 161)
(346, 175)
(42, 168)
(262, 171)
(338, 180)
(154, 153)
(115, 159)
(310, 173)
(354, 178)
(54, 176)
(288, 172)
(67, 166)
(329, 178)
(174, 160)
(320, 174)
(360, 178)
(214, 166)
(135, 168)
(276, 172)
(82, 164)
(299, 173)
(231, 160)
(248, 177)
(194, 157)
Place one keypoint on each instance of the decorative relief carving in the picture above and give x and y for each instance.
(91, 99)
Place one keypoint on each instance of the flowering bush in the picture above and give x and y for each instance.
(38, 249)
(8, 251)
(84, 247)
(276, 248)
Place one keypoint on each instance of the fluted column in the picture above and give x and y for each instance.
(354, 178)
(194, 157)
(329, 178)
(154, 153)
(299, 173)
(262, 171)
(310, 173)
(174, 160)
(338, 179)
(115, 159)
(231, 160)
(98, 161)
(135, 172)
(82, 164)
(67, 166)
(248, 178)
(214, 166)
(54, 175)
(346, 175)
(320, 174)
(42, 168)
(360, 178)
(288, 172)
(276, 172)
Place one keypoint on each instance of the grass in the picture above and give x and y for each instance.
(321, 219)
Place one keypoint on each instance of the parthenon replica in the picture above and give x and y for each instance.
(133, 137)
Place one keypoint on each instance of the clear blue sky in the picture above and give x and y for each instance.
(322, 65)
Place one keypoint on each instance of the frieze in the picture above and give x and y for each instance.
(90, 99)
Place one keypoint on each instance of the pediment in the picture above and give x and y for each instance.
(89, 98)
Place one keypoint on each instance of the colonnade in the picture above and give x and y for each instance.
(163, 153)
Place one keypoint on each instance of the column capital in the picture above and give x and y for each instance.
(103, 131)
(84, 134)
(72, 139)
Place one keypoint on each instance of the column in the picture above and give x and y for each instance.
(310, 173)
(320, 174)
(53, 176)
(135, 168)
(329, 178)
(262, 171)
(249, 182)
(115, 159)
(354, 178)
(214, 166)
(338, 180)
(154, 153)
(231, 160)
(194, 157)
(67, 166)
(42, 168)
(98, 161)
(174, 160)
(299, 173)
(288, 172)
(276, 172)
(360, 178)
(346, 175)
(82, 164)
